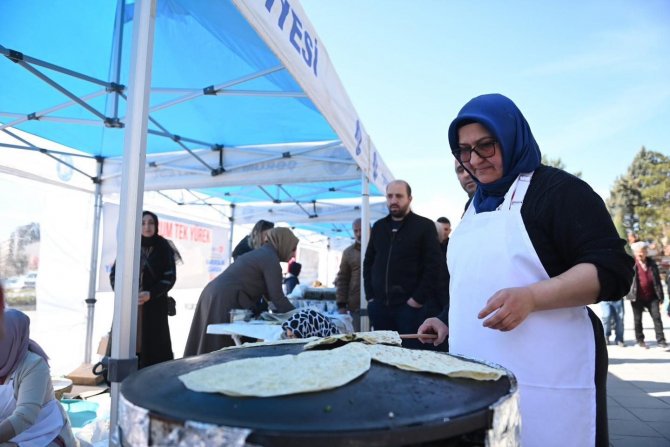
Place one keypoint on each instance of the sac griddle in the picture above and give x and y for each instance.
(386, 406)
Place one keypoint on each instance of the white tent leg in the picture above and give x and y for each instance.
(93, 275)
(124, 328)
(365, 236)
(112, 110)
(230, 239)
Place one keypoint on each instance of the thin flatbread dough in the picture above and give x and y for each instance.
(432, 362)
(284, 341)
(279, 376)
(370, 338)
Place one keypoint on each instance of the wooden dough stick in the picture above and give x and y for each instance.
(409, 336)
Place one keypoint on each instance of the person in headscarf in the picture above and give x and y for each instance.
(307, 323)
(158, 274)
(29, 412)
(256, 274)
(534, 248)
(294, 268)
(254, 240)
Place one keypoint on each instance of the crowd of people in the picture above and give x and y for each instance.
(510, 285)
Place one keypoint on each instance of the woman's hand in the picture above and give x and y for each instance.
(414, 303)
(433, 326)
(508, 307)
(143, 298)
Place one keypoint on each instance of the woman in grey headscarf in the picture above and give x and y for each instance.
(256, 274)
(29, 411)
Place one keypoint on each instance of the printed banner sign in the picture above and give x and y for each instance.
(203, 248)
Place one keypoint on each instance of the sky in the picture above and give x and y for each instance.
(591, 77)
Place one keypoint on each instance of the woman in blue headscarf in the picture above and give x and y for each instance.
(534, 248)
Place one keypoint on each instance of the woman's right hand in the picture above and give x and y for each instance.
(433, 326)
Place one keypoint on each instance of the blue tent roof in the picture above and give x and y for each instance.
(216, 85)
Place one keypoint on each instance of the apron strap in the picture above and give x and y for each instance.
(513, 198)
(515, 195)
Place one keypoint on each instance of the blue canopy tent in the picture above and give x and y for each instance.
(229, 98)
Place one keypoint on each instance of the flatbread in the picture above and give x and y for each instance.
(432, 362)
(282, 375)
(371, 338)
(283, 341)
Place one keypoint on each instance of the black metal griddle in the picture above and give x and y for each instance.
(384, 407)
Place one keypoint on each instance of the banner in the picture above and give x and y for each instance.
(203, 248)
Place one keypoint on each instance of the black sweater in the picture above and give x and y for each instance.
(568, 224)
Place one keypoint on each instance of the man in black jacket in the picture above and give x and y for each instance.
(400, 269)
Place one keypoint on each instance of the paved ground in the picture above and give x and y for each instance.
(638, 388)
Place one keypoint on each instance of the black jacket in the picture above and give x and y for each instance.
(244, 246)
(404, 264)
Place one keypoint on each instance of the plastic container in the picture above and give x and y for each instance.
(80, 412)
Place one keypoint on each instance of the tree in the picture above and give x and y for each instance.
(639, 199)
(558, 163)
(17, 258)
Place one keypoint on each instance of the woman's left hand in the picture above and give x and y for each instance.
(509, 308)
(143, 297)
(411, 302)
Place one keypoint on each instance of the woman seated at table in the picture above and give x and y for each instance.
(30, 415)
(256, 274)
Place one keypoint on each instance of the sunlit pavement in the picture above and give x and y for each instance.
(638, 387)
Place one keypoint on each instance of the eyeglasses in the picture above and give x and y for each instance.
(485, 149)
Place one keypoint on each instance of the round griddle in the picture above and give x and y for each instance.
(385, 406)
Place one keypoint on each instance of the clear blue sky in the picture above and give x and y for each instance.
(591, 77)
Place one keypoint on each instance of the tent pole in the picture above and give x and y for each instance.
(93, 272)
(123, 360)
(92, 281)
(115, 66)
(365, 236)
(231, 219)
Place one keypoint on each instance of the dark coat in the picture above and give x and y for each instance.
(256, 274)
(157, 277)
(290, 282)
(658, 288)
(244, 246)
(348, 280)
(403, 264)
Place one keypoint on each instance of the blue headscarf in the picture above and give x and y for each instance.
(507, 125)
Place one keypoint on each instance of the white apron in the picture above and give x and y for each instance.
(48, 425)
(552, 353)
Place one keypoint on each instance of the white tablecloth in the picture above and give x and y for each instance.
(262, 330)
(268, 330)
